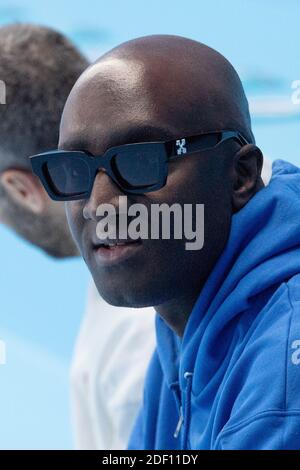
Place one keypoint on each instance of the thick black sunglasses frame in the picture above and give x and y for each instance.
(166, 151)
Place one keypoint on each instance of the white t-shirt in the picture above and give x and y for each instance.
(110, 360)
(266, 171)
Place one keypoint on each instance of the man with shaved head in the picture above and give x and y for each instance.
(163, 120)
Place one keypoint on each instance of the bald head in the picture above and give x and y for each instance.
(178, 85)
(160, 88)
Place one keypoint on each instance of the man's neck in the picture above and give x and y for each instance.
(177, 311)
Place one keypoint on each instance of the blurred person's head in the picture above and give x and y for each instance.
(161, 88)
(39, 66)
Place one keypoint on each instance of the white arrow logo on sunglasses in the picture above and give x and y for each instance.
(181, 148)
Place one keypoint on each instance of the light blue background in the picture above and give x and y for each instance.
(42, 300)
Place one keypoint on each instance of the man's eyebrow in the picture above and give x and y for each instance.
(128, 135)
(141, 133)
(72, 144)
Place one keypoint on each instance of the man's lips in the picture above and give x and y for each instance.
(110, 252)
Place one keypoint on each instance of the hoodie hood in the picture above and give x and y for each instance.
(263, 251)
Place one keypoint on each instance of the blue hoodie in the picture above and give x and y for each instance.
(233, 381)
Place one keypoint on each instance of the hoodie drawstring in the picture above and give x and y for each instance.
(179, 424)
(184, 415)
(187, 409)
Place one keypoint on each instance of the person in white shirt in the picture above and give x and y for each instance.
(39, 67)
(112, 350)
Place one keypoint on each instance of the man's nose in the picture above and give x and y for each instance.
(105, 191)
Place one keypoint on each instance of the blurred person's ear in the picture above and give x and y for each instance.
(24, 189)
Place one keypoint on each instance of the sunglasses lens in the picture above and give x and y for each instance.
(69, 175)
(140, 168)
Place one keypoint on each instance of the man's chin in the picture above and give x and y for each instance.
(121, 297)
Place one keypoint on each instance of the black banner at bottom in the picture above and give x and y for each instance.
(134, 459)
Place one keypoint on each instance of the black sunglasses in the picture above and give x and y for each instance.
(136, 168)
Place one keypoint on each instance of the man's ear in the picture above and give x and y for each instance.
(247, 181)
(24, 189)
